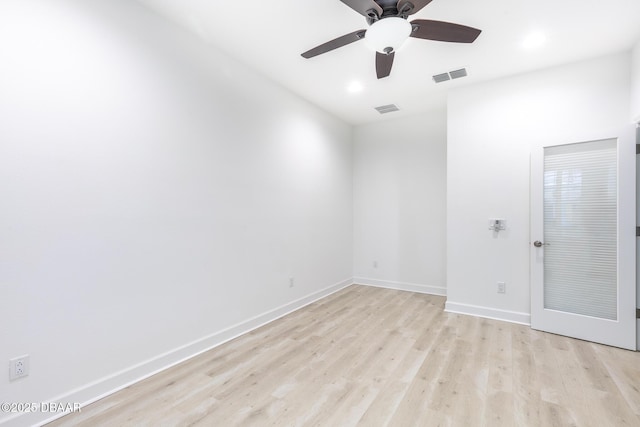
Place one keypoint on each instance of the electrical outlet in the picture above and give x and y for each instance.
(291, 282)
(502, 288)
(18, 367)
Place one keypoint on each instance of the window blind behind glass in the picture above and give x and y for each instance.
(580, 229)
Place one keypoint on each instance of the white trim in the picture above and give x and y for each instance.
(400, 286)
(108, 385)
(488, 312)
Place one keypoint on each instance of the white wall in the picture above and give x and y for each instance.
(154, 193)
(491, 129)
(635, 83)
(399, 203)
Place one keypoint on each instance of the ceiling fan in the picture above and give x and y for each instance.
(389, 28)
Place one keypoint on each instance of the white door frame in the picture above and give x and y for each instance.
(621, 332)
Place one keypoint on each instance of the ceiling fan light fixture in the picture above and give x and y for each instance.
(388, 34)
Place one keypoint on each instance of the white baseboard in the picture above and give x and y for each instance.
(411, 287)
(488, 312)
(103, 387)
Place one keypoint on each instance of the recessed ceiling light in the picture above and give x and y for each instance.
(534, 40)
(355, 87)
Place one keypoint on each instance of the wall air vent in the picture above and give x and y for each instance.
(384, 109)
(455, 74)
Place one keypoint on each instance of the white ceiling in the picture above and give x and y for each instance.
(270, 35)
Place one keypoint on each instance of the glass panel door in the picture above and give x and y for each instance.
(580, 229)
(583, 247)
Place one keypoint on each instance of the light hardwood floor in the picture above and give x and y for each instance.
(374, 357)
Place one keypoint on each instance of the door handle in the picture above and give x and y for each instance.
(539, 244)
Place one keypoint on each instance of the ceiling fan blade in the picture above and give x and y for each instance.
(335, 43)
(384, 62)
(412, 6)
(443, 31)
(364, 7)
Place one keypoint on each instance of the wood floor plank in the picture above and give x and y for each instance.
(527, 400)
(369, 356)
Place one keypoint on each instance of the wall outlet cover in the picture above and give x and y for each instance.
(18, 367)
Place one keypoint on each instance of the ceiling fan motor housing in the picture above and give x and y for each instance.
(389, 8)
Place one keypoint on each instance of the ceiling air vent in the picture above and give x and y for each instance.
(439, 78)
(462, 72)
(384, 109)
(455, 74)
